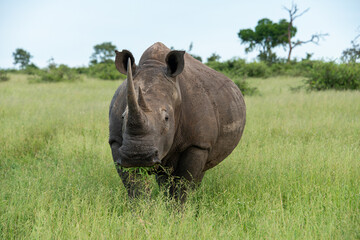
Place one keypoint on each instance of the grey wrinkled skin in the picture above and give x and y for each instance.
(175, 112)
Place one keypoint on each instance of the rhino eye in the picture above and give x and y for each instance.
(165, 115)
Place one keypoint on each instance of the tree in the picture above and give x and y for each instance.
(266, 36)
(315, 38)
(213, 58)
(352, 54)
(197, 57)
(103, 53)
(193, 55)
(21, 57)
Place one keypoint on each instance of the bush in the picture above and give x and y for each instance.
(3, 76)
(237, 70)
(105, 71)
(237, 67)
(82, 70)
(329, 75)
(31, 69)
(54, 73)
(257, 69)
(293, 68)
(246, 90)
(231, 68)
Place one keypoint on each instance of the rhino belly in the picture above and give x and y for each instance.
(231, 118)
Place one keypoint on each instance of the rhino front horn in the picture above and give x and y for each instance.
(135, 115)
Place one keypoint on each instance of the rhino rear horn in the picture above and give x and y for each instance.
(175, 63)
(121, 61)
(142, 103)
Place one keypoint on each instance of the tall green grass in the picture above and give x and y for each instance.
(294, 175)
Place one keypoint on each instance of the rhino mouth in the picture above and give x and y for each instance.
(134, 159)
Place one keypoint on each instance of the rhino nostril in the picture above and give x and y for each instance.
(156, 153)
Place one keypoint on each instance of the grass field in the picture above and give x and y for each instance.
(294, 175)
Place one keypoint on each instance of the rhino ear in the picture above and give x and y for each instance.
(121, 61)
(175, 63)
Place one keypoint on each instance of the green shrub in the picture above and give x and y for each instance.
(301, 68)
(293, 68)
(3, 76)
(237, 70)
(231, 68)
(82, 70)
(304, 67)
(276, 69)
(257, 69)
(329, 75)
(54, 73)
(105, 70)
(31, 69)
(281, 68)
(237, 67)
(243, 85)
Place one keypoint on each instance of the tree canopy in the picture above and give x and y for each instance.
(21, 57)
(266, 36)
(103, 53)
(214, 57)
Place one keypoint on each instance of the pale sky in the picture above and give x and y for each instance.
(67, 30)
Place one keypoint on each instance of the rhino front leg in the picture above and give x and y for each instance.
(133, 182)
(189, 172)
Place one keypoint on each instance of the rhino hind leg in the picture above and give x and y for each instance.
(187, 175)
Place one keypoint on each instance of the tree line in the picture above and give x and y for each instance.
(264, 38)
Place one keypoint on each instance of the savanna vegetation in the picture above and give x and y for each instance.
(294, 175)
(265, 38)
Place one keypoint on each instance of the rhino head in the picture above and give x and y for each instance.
(144, 114)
